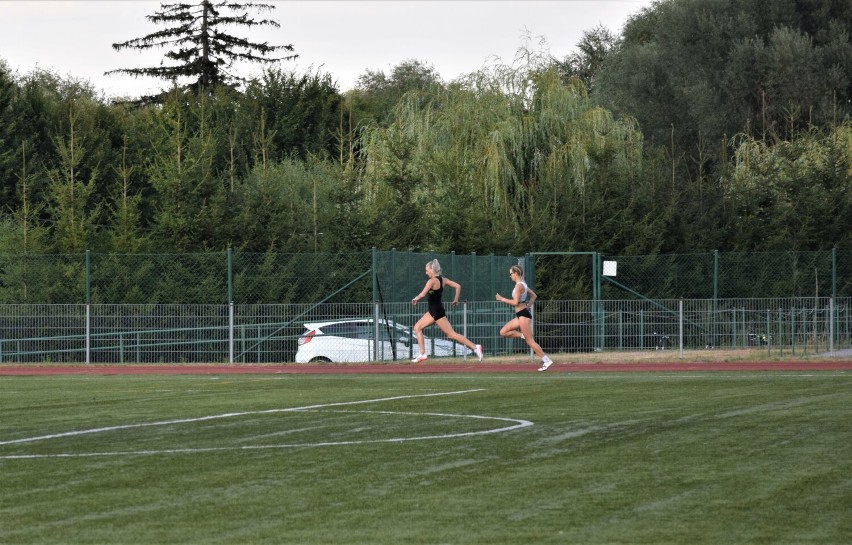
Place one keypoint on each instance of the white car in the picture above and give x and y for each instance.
(354, 340)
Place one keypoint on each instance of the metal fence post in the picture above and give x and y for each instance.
(768, 330)
(230, 274)
(374, 269)
(88, 307)
(715, 292)
(680, 326)
(834, 272)
(597, 305)
(831, 326)
(231, 332)
(793, 327)
(833, 288)
(464, 325)
(230, 305)
(376, 331)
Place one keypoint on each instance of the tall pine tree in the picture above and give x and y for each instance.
(201, 47)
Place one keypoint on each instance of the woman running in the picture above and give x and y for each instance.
(436, 315)
(520, 327)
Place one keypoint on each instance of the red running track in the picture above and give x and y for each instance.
(134, 369)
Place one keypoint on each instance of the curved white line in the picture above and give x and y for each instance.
(516, 424)
(226, 415)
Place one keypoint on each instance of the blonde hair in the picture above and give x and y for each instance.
(516, 269)
(434, 266)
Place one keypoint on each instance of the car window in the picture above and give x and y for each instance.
(387, 333)
(339, 330)
(350, 330)
(363, 330)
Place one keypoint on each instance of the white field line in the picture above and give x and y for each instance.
(516, 424)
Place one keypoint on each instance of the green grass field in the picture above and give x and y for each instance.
(450, 458)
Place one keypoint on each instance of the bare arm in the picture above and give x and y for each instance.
(531, 297)
(456, 286)
(516, 296)
(430, 284)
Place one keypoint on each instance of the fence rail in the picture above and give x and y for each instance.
(229, 333)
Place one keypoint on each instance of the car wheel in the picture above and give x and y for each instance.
(320, 359)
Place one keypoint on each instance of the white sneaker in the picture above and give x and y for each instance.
(545, 363)
(478, 351)
(418, 359)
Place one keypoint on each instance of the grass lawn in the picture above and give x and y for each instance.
(689, 458)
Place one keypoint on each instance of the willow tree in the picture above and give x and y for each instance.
(519, 157)
(201, 46)
(515, 160)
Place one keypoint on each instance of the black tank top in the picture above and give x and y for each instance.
(434, 296)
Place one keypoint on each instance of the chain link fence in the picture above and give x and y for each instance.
(349, 332)
(246, 278)
(401, 275)
(393, 276)
(731, 275)
(253, 308)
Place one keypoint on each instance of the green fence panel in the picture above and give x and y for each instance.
(42, 278)
(401, 275)
(396, 276)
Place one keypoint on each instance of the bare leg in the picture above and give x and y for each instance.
(448, 330)
(421, 324)
(510, 330)
(526, 329)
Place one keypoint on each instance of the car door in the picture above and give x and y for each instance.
(344, 342)
(406, 343)
(392, 342)
(362, 334)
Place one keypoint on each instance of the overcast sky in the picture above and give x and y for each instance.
(342, 38)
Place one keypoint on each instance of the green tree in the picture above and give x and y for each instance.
(285, 207)
(592, 50)
(702, 70)
(509, 160)
(73, 212)
(348, 229)
(696, 73)
(10, 139)
(300, 112)
(22, 234)
(40, 122)
(202, 47)
(792, 196)
(30, 127)
(397, 183)
(377, 94)
(125, 214)
(190, 198)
